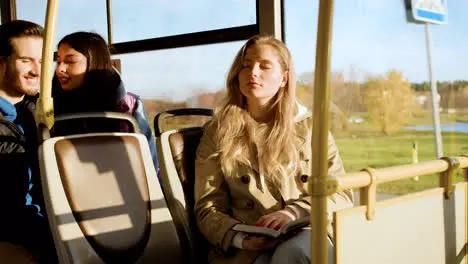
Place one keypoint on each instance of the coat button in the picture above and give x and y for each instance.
(304, 178)
(250, 204)
(245, 179)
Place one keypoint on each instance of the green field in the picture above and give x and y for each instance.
(363, 145)
(383, 151)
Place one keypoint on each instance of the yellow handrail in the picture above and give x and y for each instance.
(368, 179)
(45, 105)
(319, 179)
(361, 179)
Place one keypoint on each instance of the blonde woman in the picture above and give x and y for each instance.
(254, 161)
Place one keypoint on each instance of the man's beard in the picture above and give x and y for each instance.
(12, 82)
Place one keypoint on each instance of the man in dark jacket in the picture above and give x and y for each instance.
(23, 223)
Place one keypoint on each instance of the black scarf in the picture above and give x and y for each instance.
(101, 91)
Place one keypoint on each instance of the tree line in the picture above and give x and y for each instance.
(441, 86)
(389, 99)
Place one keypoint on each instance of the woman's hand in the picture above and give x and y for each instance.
(258, 243)
(276, 219)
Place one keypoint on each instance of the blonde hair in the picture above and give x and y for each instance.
(237, 132)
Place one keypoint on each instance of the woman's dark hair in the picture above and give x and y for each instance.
(92, 46)
(102, 87)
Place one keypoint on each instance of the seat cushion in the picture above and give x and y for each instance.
(184, 147)
(184, 144)
(105, 184)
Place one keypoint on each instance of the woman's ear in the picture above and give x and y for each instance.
(284, 80)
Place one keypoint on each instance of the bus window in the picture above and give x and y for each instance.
(178, 78)
(71, 15)
(167, 18)
(380, 96)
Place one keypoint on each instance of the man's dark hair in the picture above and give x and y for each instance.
(17, 29)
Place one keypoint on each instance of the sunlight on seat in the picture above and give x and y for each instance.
(105, 224)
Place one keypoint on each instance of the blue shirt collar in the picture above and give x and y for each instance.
(8, 110)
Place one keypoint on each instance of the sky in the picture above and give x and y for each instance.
(369, 37)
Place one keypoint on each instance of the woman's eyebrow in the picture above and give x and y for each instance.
(25, 58)
(266, 61)
(261, 60)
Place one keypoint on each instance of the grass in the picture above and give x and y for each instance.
(384, 151)
(363, 145)
(462, 118)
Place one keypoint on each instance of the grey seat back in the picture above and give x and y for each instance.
(104, 202)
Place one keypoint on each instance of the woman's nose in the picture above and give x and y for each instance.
(254, 71)
(60, 68)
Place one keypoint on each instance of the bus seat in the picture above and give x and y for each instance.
(92, 122)
(177, 150)
(104, 202)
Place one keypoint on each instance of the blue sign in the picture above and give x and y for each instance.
(430, 11)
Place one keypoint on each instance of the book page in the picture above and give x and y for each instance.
(294, 225)
(257, 230)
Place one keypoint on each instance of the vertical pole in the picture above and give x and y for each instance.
(435, 96)
(8, 10)
(270, 18)
(12, 7)
(318, 182)
(45, 106)
(109, 22)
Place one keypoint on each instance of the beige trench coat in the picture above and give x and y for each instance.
(221, 202)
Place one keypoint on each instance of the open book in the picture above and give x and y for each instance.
(295, 225)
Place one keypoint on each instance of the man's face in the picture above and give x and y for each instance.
(21, 71)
